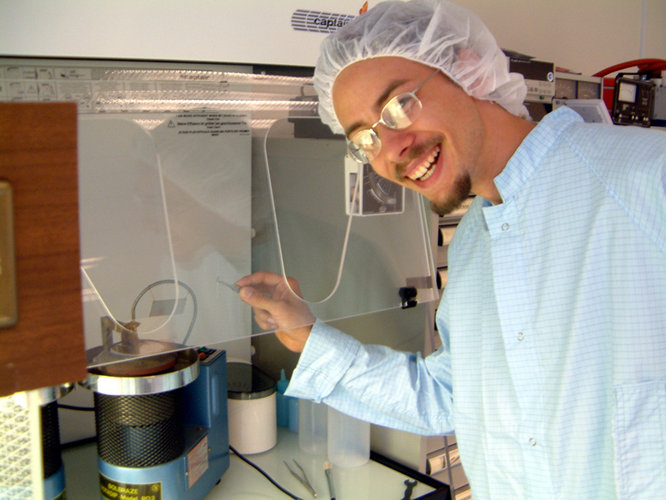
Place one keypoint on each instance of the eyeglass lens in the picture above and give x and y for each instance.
(399, 113)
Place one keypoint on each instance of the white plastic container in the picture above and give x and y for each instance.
(251, 408)
(348, 440)
(312, 427)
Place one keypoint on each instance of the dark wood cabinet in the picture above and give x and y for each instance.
(38, 159)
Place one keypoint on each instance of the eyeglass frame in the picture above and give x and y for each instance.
(371, 129)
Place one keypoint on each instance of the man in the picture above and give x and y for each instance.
(552, 370)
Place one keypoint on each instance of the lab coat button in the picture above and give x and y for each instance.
(520, 336)
(505, 227)
(533, 442)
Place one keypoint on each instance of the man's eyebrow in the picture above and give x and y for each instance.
(378, 104)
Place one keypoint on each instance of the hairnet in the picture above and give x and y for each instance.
(436, 33)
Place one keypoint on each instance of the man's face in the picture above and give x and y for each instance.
(438, 154)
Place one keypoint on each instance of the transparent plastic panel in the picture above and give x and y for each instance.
(193, 176)
(351, 253)
(165, 222)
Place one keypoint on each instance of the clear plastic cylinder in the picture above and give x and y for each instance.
(312, 427)
(348, 440)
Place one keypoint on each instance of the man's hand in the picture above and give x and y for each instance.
(276, 307)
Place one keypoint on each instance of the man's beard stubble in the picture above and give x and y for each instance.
(461, 190)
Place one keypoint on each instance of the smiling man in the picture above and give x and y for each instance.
(552, 370)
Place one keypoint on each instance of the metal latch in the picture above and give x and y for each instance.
(407, 296)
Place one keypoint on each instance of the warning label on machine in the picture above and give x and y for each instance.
(209, 123)
(114, 490)
(197, 461)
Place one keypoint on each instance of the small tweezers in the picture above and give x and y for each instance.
(303, 480)
(231, 286)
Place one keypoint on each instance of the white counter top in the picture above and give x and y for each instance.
(242, 482)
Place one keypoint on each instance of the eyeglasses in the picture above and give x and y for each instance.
(397, 114)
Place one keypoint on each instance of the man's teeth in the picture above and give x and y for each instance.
(424, 171)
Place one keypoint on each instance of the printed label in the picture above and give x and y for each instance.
(318, 21)
(115, 490)
(197, 461)
(213, 124)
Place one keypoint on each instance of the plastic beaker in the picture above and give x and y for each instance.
(312, 427)
(348, 440)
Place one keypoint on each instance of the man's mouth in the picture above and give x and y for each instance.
(425, 169)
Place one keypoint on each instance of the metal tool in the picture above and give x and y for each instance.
(231, 286)
(329, 479)
(408, 490)
(303, 480)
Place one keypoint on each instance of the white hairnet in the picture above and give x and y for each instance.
(437, 33)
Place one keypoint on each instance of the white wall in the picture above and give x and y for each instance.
(582, 35)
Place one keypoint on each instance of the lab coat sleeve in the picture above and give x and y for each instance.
(374, 383)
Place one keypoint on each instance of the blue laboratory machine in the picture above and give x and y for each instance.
(161, 425)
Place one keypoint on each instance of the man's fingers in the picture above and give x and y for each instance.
(256, 298)
(262, 278)
(264, 320)
(276, 307)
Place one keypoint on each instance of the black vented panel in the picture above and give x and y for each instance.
(139, 431)
(51, 439)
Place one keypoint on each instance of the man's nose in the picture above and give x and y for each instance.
(395, 143)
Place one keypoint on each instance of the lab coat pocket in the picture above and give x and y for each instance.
(639, 428)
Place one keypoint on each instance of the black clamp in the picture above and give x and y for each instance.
(407, 296)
